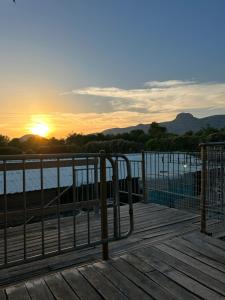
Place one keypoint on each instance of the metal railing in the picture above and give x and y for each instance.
(193, 181)
(136, 165)
(172, 179)
(52, 204)
(213, 188)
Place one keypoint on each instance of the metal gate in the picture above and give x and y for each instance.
(52, 204)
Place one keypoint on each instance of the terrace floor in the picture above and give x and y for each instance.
(165, 258)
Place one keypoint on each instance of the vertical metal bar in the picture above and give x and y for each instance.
(78, 184)
(164, 186)
(25, 213)
(96, 209)
(222, 181)
(129, 190)
(168, 172)
(82, 185)
(143, 177)
(58, 204)
(158, 177)
(203, 188)
(135, 176)
(156, 187)
(5, 213)
(115, 197)
(87, 198)
(74, 202)
(42, 210)
(118, 175)
(103, 199)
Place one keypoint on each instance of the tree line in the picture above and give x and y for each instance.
(156, 139)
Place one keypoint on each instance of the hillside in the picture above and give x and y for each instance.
(182, 123)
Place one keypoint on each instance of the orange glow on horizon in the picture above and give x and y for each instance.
(40, 129)
(40, 125)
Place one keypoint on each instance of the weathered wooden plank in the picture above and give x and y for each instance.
(127, 287)
(168, 284)
(174, 271)
(149, 228)
(50, 240)
(209, 239)
(35, 248)
(104, 286)
(210, 250)
(180, 278)
(193, 262)
(59, 288)
(31, 236)
(142, 220)
(171, 286)
(38, 290)
(196, 252)
(18, 292)
(2, 295)
(138, 263)
(141, 280)
(163, 261)
(80, 285)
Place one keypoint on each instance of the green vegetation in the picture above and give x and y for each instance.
(156, 139)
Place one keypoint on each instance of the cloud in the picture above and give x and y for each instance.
(162, 96)
(168, 83)
(156, 101)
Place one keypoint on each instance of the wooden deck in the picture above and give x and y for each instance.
(165, 258)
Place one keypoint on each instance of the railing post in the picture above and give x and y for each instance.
(115, 198)
(96, 209)
(143, 176)
(203, 188)
(103, 201)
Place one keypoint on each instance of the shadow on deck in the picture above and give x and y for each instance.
(165, 258)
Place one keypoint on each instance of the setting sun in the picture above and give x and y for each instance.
(40, 129)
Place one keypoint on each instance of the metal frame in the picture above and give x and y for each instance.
(172, 178)
(98, 201)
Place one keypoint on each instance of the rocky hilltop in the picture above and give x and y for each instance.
(182, 123)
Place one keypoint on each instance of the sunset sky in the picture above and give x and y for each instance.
(87, 65)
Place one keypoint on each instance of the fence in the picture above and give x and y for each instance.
(213, 188)
(52, 204)
(173, 179)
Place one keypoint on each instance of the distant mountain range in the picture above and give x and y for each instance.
(181, 124)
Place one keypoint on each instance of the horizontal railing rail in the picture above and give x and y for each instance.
(15, 166)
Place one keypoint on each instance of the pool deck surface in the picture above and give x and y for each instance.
(165, 258)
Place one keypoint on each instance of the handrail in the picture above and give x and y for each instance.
(212, 144)
(46, 156)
